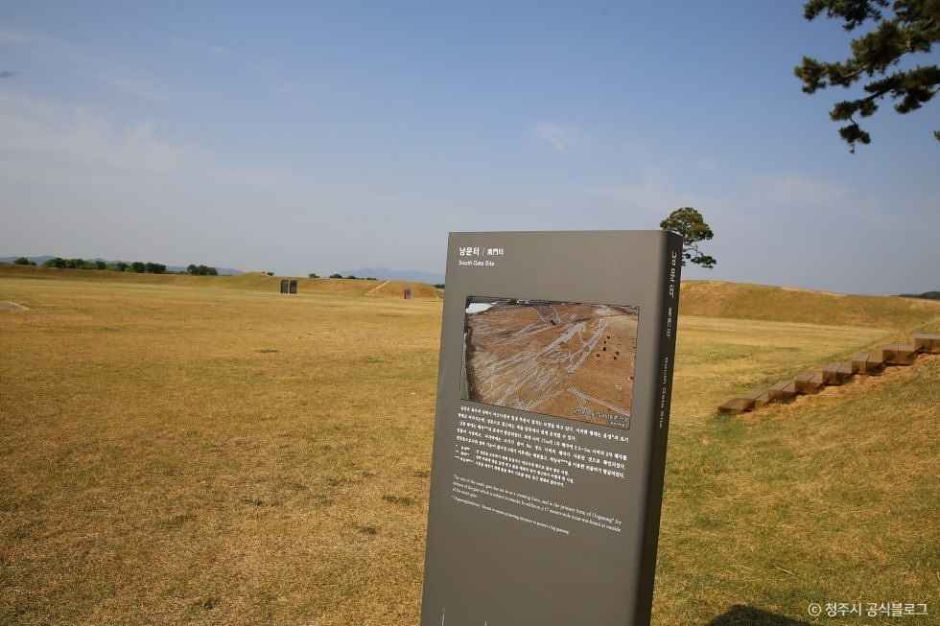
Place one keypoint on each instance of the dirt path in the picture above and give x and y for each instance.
(377, 287)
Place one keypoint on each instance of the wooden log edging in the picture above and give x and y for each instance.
(869, 363)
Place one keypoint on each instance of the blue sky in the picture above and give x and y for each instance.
(315, 137)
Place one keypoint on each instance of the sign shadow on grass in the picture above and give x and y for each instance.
(741, 615)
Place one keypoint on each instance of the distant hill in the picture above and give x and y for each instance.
(698, 298)
(253, 281)
(927, 295)
(384, 273)
(39, 260)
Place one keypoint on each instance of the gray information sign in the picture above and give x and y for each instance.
(550, 435)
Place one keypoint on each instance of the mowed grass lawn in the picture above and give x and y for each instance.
(176, 454)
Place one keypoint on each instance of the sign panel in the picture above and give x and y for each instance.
(550, 435)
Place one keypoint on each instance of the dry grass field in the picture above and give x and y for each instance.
(183, 450)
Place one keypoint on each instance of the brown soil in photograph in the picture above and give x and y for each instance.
(568, 360)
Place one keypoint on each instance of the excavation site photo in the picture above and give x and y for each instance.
(564, 359)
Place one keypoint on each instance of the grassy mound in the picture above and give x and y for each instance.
(825, 499)
(783, 304)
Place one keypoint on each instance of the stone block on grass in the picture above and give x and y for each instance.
(783, 392)
(809, 382)
(867, 363)
(737, 405)
(837, 373)
(899, 354)
(927, 342)
(761, 398)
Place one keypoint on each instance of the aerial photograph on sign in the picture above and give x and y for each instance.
(564, 359)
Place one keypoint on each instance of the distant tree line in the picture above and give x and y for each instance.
(201, 270)
(927, 295)
(137, 267)
(348, 277)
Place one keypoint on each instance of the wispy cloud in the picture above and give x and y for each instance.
(80, 181)
(14, 37)
(135, 85)
(39, 135)
(561, 138)
(199, 46)
(75, 59)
